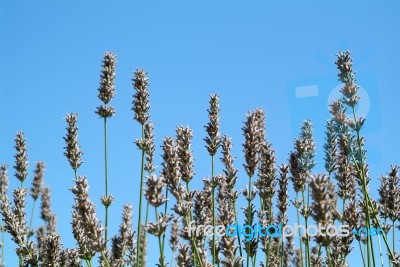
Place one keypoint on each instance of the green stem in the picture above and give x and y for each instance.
(283, 224)
(394, 238)
(364, 188)
(160, 247)
(307, 238)
(213, 211)
(380, 250)
(298, 223)
(106, 177)
(31, 219)
(248, 220)
(3, 243)
(138, 263)
(165, 213)
(105, 259)
(362, 254)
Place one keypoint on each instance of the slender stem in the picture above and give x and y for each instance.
(138, 263)
(362, 254)
(380, 250)
(283, 221)
(3, 243)
(307, 238)
(364, 188)
(165, 212)
(31, 219)
(248, 220)
(298, 223)
(32, 212)
(394, 238)
(213, 211)
(105, 259)
(160, 246)
(106, 177)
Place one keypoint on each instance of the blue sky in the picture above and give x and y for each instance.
(252, 54)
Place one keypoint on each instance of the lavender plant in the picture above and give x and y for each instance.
(340, 196)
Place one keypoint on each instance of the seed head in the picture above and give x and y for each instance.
(3, 183)
(174, 240)
(184, 136)
(37, 183)
(21, 158)
(86, 228)
(73, 150)
(107, 85)
(302, 159)
(141, 104)
(254, 135)
(154, 191)
(389, 193)
(267, 174)
(212, 127)
(228, 160)
(46, 213)
(344, 64)
(149, 147)
(123, 243)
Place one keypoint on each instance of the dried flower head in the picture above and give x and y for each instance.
(324, 204)
(267, 174)
(141, 104)
(184, 137)
(107, 200)
(229, 170)
(154, 191)
(171, 166)
(21, 157)
(122, 251)
(302, 159)
(184, 257)
(15, 217)
(254, 135)
(283, 189)
(37, 183)
(73, 150)
(389, 192)
(3, 183)
(174, 237)
(51, 251)
(86, 228)
(159, 227)
(149, 147)
(107, 85)
(346, 172)
(344, 64)
(70, 257)
(46, 213)
(212, 127)
(330, 147)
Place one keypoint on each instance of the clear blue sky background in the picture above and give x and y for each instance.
(252, 54)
